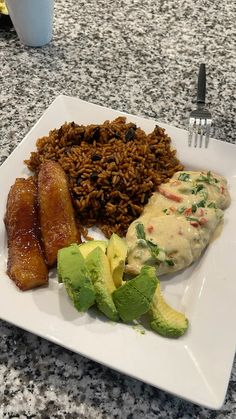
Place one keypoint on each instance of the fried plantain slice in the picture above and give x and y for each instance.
(57, 219)
(26, 265)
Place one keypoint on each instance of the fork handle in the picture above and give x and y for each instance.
(201, 85)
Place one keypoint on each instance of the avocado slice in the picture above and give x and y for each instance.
(164, 319)
(134, 298)
(73, 273)
(116, 252)
(99, 269)
(87, 247)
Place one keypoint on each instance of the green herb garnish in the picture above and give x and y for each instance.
(208, 178)
(140, 233)
(192, 219)
(200, 204)
(154, 249)
(169, 262)
(204, 194)
(181, 210)
(212, 205)
(197, 188)
(184, 176)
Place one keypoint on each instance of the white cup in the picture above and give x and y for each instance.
(33, 20)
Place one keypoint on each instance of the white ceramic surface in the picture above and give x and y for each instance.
(33, 20)
(195, 367)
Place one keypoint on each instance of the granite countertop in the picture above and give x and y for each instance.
(139, 56)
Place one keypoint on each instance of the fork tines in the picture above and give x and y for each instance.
(199, 129)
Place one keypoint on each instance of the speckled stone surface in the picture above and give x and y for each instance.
(139, 56)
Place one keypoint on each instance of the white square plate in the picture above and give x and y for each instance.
(195, 367)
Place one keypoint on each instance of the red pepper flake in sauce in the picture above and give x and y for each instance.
(188, 211)
(170, 195)
(222, 189)
(201, 212)
(194, 223)
(150, 229)
(203, 221)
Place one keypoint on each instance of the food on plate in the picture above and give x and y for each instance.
(186, 187)
(26, 265)
(113, 169)
(121, 180)
(87, 247)
(134, 297)
(164, 319)
(73, 272)
(117, 253)
(56, 213)
(5, 20)
(38, 214)
(99, 269)
(3, 7)
(178, 222)
(89, 280)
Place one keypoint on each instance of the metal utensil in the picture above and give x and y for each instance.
(200, 120)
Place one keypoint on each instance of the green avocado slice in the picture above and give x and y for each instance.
(134, 298)
(99, 270)
(73, 273)
(164, 319)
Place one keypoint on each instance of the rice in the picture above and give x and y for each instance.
(112, 168)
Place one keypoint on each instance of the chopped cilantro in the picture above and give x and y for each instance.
(192, 219)
(204, 194)
(140, 231)
(165, 210)
(201, 204)
(154, 249)
(212, 205)
(181, 210)
(169, 262)
(203, 178)
(184, 176)
(197, 188)
(208, 178)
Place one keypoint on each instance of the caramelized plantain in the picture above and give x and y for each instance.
(57, 219)
(26, 265)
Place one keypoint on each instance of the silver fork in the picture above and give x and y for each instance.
(200, 120)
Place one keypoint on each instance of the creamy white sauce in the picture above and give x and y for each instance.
(178, 222)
